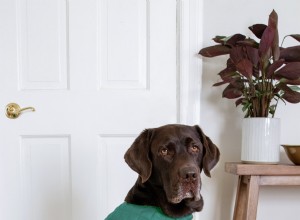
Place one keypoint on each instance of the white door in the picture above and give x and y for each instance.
(97, 73)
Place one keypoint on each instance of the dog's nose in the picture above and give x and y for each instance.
(188, 173)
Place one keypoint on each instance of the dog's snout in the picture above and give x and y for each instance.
(188, 173)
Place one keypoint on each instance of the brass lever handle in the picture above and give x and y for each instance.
(13, 110)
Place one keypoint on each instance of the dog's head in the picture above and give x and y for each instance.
(173, 157)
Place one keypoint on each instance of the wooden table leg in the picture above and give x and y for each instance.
(253, 192)
(246, 198)
(240, 200)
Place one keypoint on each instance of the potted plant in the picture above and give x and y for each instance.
(258, 75)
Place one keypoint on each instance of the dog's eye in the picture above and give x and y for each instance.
(164, 152)
(194, 148)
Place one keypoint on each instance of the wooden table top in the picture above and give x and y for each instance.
(262, 170)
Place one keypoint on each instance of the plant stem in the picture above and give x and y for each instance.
(283, 40)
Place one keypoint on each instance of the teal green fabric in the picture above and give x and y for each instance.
(127, 211)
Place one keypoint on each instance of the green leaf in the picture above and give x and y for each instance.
(280, 96)
(246, 106)
(219, 39)
(272, 109)
(295, 88)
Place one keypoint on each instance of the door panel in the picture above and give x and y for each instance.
(111, 165)
(42, 44)
(45, 169)
(123, 32)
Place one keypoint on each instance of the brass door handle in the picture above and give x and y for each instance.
(13, 110)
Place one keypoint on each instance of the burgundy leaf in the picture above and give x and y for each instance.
(273, 67)
(236, 54)
(227, 74)
(248, 42)
(258, 29)
(230, 71)
(215, 50)
(269, 39)
(275, 46)
(231, 92)
(276, 91)
(289, 95)
(266, 43)
(239, 101)
(291, 82)
(273, 20)
(289, 71)
(252, 54)
(238, 83)
(230, 64)
(245, 68)
(290, 54)
(234, 39)
(295, 36)
(220, 83)
(273, 23)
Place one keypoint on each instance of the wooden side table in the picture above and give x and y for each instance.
(251, 177)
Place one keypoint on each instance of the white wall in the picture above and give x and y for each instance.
(222, 121)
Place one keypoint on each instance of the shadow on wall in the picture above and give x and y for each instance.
(226, 134)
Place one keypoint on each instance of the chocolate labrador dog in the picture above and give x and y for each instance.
(169, 160)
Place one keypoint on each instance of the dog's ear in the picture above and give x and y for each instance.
(211, 153)
(137, 156)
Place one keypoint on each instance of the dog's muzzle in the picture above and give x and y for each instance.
(188, 185)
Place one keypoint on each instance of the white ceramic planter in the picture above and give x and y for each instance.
(261, 140)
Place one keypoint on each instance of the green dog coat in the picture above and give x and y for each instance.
(127, 211)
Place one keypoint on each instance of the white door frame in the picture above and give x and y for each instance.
(189, 65)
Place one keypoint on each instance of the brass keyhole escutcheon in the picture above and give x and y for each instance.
(13, 110)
